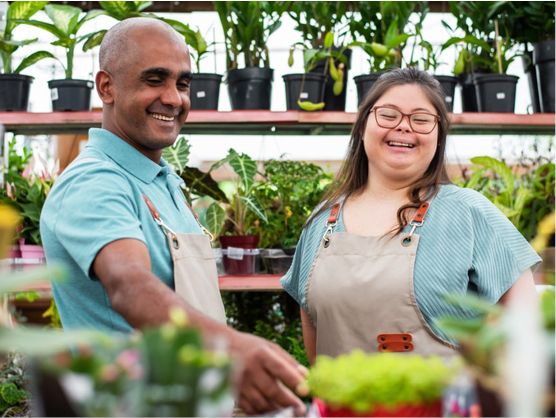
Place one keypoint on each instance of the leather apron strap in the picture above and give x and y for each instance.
(195, 275)
(360, 293)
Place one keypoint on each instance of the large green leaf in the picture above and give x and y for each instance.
(202, 184)
(21, 10)
(254, 206)
(215, 217)
(46, 26)
(64, 17)
(178, 154)
(244, 166)
(32, 59)
(499, 167)
(94, 40)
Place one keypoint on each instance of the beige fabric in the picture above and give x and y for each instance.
(195, 276)
(360, 287)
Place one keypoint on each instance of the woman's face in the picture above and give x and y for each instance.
(400, 154)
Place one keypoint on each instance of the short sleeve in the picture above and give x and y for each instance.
(96, 209)
(501, 254)
(292, 280)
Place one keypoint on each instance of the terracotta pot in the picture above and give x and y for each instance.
(427, 410)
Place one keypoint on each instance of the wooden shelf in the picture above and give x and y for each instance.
(262, 122)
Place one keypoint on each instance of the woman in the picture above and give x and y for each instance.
(378, 256)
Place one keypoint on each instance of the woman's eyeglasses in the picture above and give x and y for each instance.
(389, 118)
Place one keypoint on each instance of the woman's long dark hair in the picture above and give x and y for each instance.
(354, 173)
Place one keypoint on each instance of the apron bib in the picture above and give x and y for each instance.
(360, 294)
(195, 275)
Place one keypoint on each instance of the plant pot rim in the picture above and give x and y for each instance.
(70, 81)
(206, 75)
(308, 76)
(481, 78)
(250, 73)
(16, 76)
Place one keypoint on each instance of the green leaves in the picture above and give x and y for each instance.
(214, 219)
(21, 10)
(10, 393)
(363, 381)
(32, 59)
(121, 10)
(63, 17)
(177, 155)
(244, 166)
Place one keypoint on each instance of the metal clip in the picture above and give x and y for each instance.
(207, 232)
(326, 236)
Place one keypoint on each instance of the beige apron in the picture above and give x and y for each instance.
(195, 276)
(360, 294)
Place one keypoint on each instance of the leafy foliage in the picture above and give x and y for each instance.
(363, 381)
(13, 396)
(198, 46)
(382, 26)
(17, 11)
(289, 192)
(247, 26)
(525, 198)
(65, 25)
(121, 10)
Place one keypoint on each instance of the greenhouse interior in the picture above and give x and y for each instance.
(181, 181)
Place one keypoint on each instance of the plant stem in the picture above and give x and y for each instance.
(69, 63)
(498, 49)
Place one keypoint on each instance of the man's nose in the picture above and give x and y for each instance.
(171, 96)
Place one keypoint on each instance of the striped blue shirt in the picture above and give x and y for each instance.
(466, 245)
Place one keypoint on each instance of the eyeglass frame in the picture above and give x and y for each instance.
(436, 118)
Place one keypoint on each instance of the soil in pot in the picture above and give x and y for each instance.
(205, 89)
(14, 92)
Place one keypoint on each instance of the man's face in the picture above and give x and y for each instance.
(151, 91)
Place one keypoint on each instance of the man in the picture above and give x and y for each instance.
(117, 218)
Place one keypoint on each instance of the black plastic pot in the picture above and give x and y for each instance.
(496, 92)
(305, 87)
(70, 95)
(14, 92)
(205, 89)
(468, 93)
(543, 59)
(448, 84)
(364, 83)
(333, 102)
(250, 88)
(531, 74)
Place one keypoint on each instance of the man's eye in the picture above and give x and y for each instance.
(154, 80)
(183, 85)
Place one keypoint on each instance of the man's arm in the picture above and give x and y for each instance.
(268, 374)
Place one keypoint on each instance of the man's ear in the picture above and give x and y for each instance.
(105, 86)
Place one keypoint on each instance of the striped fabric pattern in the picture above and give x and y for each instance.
(466, 245)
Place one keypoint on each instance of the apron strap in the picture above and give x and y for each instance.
(418, 220)
(331, 223)
(165, 228)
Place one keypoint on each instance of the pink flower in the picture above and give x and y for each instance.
(10, 190)
(109, 373)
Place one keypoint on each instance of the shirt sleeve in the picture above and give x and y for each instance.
(96, 209)
(500, 253)
(292, 281)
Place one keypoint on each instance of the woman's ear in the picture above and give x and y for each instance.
(105, 86)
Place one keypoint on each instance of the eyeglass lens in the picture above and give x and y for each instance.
(422, 123)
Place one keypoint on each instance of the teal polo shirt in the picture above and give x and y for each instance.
(98, 199)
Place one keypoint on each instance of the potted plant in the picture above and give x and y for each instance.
(323, 30)
(381, 27)
(533, 27)
(14, 86)
(307, 91)
(247, 27)
(238, 242)
(69, 93)
(26, 193)
(205, 87)
(289, 192)
(379, 385)
(430, 60)
(494, 89)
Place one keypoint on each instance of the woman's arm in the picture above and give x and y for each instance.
(522, 291)
(309, 336)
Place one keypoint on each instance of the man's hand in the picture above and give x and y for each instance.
(268, 376)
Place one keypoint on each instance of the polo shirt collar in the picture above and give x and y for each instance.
(126, 156)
